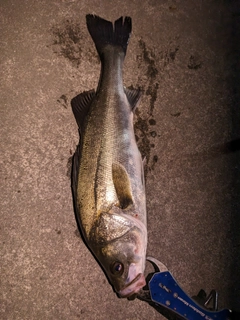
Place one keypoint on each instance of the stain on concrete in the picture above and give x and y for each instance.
(63, 100)
(69, 167)
(67, 41)
(146, 62)
(154, 161)
(153, 134)
(142, 137)
(177, 114)
(77, 234)
(153, 64)
(152, 92)
(148, 57)
(172, 8)
(152, 122)
(168, 56)
(194, 62)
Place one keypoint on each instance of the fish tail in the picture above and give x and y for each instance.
(104, 33)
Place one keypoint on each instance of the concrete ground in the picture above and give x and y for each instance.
(185, 54)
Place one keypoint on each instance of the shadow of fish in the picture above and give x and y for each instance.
(107, 174)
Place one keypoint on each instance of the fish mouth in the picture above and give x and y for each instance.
(133, 287)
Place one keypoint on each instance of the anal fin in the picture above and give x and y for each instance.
(134, 96)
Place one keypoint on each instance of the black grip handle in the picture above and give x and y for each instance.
(235, 315)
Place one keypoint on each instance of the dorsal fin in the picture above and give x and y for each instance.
(122, 185)
(80, 105)
(133, 96)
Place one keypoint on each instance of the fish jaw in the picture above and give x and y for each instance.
(135, 280)
(133, 287)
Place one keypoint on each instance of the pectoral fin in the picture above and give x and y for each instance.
(122, 185)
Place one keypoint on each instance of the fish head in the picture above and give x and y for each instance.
(119, 243)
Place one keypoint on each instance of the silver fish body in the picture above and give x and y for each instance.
(107, 175)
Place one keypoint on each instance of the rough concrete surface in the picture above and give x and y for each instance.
(185, 55)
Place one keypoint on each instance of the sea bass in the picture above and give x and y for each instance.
(107, 174)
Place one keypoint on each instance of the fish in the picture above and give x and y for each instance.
(108, 184)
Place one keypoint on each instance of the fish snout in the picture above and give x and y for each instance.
(133, 287)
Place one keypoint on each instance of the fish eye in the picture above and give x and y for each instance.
(117, 268)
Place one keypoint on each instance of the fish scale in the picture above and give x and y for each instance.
(105, 192)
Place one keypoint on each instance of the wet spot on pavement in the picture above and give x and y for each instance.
(177, 114)
(63, 100)
(67, 41)
(69, 167)
(194, 62)
(153, 63)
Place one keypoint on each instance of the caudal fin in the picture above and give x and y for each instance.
(104, 33)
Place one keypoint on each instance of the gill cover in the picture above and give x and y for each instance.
(109, 227)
